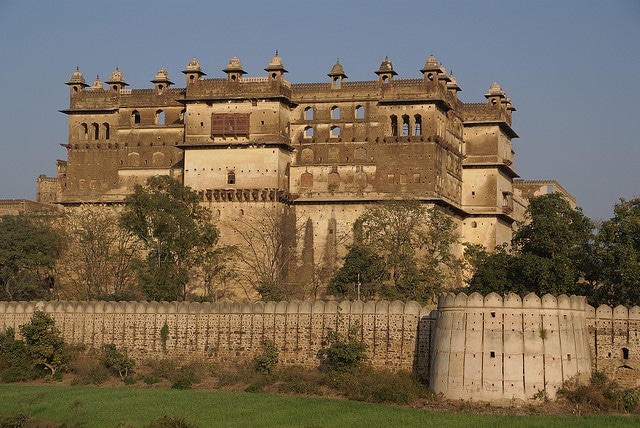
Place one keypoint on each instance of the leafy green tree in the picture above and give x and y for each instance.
(116, 360)
(361, 266)
(176, 231)
(618, 256)
(549, 253)
(29, 248)
(44, 344)
(415, 245)
(15, 363)
(553, 246)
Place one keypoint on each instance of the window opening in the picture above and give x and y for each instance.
(394, 125)
(418, 125)
(308, 132)
(106, 131)
(335, 131)
(96, 131)
(136, 117)
(405, 125)
(231, 177)
(308, 113)
(335, 112)
(359, 112)
(159, 117)
(625, 353)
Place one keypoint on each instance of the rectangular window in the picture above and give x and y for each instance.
(229, 124)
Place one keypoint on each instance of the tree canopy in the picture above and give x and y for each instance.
(29, 248)
(176, 231)
(407, 250)
(549, 252)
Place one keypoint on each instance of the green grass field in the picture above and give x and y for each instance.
(135, 407)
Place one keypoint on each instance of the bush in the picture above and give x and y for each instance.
(185, 378)
(15, 363)
(44, 343)
(344, 353)
(171, 422)
(116, 360)
(377, 386)
(267, 360)
(602, 394)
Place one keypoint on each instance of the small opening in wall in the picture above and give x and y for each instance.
(493, 314)
(492, 354)
(625, 353)
(609, 355)
(568, 357)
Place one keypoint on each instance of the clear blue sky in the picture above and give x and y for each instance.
(571, 68)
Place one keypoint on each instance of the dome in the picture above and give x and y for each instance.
(386, 67)
(276, 64)
(97, 84)
(337, 70)
(234, 66)
(495, 90)
(194, 67)
(162, 77)
(77, 78)
(430, 65)
(117, 77)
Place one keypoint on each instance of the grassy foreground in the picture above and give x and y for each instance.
(134, 407)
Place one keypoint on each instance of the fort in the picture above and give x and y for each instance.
(321, 151)
(476, 347)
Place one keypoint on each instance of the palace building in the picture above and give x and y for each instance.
(322, 150)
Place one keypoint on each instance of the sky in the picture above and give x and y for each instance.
(571, 69)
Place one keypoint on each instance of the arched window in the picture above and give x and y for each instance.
(96, 131)
(231, 177)
(417, 130)
(335, 131)
(308, 113)
(159, 117)
(84, 132)
(394, 125)
(105, 126)
(135, 117)
(405, 125)
(359, 112)
(335, 112)
(308, 132)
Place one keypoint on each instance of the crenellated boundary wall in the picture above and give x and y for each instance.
(471, 347)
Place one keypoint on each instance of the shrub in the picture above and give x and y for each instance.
(185, 378)
(116, 360)
(171, 422)
(44, 343)
(344, 353)
(267, 360)
(15, 363)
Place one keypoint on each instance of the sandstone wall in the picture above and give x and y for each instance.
(615, 343)
(489, 348)
(398, 335)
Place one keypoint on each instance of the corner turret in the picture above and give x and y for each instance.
(162, 81)
(275, 69)
(116, 81)
(385, 72)
(193, 72)
(234, 70)
(76, 82)
(337, 75)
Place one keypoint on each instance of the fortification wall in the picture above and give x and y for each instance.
(398, 335)
(490, 348)
(473, 347)
(615, 343)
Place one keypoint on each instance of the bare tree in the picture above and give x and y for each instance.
(100, 254)
(267, 250)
